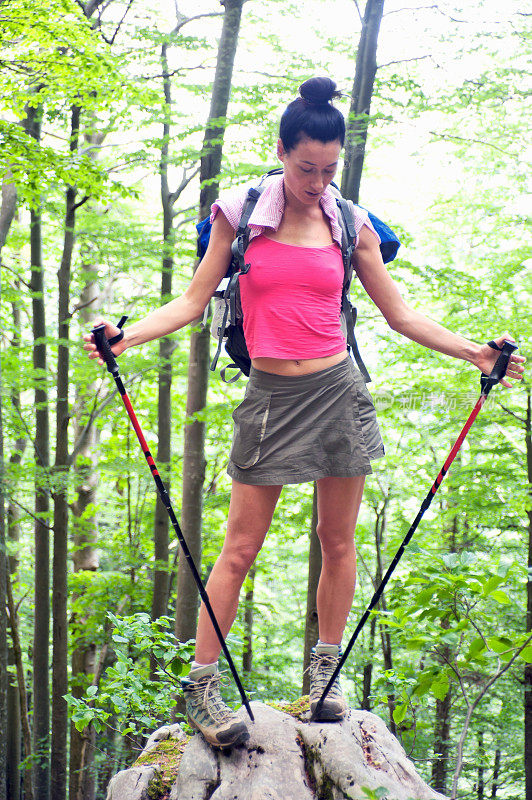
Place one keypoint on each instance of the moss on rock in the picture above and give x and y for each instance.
(166, 756)
(299, 709)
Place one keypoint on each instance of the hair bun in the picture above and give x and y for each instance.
(318, 91)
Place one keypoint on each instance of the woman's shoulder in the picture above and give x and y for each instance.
(231, 202)
(361, 217)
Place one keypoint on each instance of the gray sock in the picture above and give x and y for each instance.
(197, 665)
(326, 647)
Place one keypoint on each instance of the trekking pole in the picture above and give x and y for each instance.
(487, 382)
(106, 353)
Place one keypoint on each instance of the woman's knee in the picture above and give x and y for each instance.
(337, 543)
(238, 558)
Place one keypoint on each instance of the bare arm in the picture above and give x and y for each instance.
(413, 324)
(183, 309)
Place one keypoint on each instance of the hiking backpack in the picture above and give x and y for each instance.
(226, 323)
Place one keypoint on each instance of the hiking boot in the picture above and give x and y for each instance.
(323, 661)
(206, 710)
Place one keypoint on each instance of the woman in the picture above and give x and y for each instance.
(307, 414)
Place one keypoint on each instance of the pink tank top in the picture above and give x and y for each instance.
(291, 300)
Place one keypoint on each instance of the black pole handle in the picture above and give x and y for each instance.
(487, 382)
(104, 348)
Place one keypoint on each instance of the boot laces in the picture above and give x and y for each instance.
(207, 691)
(321, 667)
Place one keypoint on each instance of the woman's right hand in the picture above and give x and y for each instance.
(110, 331)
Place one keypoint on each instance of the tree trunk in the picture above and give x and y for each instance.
(528, 666)
(13, 733)
(496, 770)
(361, 94)
(164, 411)
(247, 655)
(24, 718)
(7, 213)
(480, 779)
(3, 619)
(13, 533)
(8, 206)
(442, 723)
(368, 668)
(82, 777)
(198, 368)
(314, 570)
(441, 743)
(41, 634)
(82, 780)
(60, 559)
(442, 729)
(386, 642)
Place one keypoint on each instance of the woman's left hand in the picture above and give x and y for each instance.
(487, 357)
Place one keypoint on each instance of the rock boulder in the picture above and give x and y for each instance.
(286, 758)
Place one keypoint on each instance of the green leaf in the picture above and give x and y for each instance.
(425, 595)
(176, 667)
(491, 584)
(476, 647)
(450, 560)
(499, 645)
(526, 654)
(440, 687)
(399, 713)
(500, 597)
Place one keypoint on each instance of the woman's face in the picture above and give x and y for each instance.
(309, 167)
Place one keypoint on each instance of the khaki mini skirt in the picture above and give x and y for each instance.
(298, 429)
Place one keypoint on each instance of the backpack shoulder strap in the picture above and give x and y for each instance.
(238, 249)
(241, 240)
(349, 235)
(347, 224)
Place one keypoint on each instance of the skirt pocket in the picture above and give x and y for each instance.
(366, 420)
(250, 418)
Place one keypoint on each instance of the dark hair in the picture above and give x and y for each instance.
(313, 115)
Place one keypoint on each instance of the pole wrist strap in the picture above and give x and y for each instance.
(119, 336)
(487, 382)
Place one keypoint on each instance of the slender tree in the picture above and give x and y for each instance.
(528, 625)
(161, 581)
(13, 533)
(247, 653)
(14, 784)
(386, 642)
(198, 369)
(442, 728)
(496, 772)
(41, 632)
(7, 212)
(61, 466)
(82, 780)
(442, 722)
(361, 95)
(8, 207)
(314, 570)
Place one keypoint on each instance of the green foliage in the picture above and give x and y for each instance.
(127, 693)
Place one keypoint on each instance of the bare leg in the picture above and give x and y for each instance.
(250, 515)
(338, 505)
